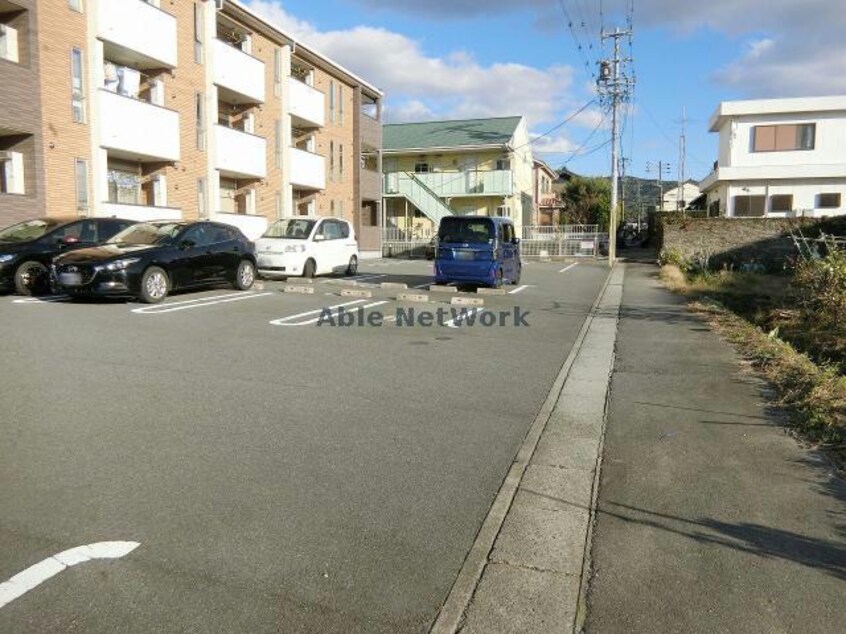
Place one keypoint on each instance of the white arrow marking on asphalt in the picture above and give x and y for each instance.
(567, 268)
(35, 575)
(456, 323)
(197, 303)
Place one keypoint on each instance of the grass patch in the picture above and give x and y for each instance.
(763, 317)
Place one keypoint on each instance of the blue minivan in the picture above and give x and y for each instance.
(477, 250)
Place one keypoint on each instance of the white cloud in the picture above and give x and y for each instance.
(422, 86)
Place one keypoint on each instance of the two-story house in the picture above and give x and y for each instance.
(779, 158)
(548, 203)
(146, 109)
(439, 168)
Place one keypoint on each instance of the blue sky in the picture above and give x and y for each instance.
(443, 59)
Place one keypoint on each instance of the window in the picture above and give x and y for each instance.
(198, 33)
(77, 86)
(784, 138)
(278, 201)
(12, 174)
(124, 183)
(81, 178)
(504, 211)
(509, 232)
(503, 164)
(331, 160)
(422, 168)
(200, 114)
(781, 203)
(828, 201)
(331, 101)
(76, 5)
(749, 206)
(341, 161)
(201, 198)
(8, 43)
(341, 103)
(277, 72)
(345, 230)
(278, 144)
(331, 230)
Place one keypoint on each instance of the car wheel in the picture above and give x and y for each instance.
(154, 285)
(245, 277)
(32, 278)
(516, 280)
(352, 269)
(309, 269)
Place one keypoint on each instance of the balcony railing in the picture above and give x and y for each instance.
(149, 132)
(371, 132)
(240, 154)
(452, 184)
(140, 27)
(239, 74)
(306, 104)
(307, 170)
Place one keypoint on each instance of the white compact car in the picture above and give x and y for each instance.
(307, 246)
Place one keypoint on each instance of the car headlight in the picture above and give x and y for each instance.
(295, 248)
(117, 265)
(6, 257)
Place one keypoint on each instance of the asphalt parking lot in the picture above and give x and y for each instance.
(277, 473)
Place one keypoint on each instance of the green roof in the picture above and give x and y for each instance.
(448, 134)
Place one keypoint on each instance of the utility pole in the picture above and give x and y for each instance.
(663, 168)
(680, 202)
(623, 163)
(616, 87)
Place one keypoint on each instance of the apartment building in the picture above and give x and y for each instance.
(460, 167)
(548, 204)
(779, 158)
(148, 109)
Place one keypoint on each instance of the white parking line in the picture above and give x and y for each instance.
(198, 303)
(426, 285)
(289, 321)
(283, 321)
(37, 574)
(42, 300)
(361, 278)
(520, 289)
(567, 268)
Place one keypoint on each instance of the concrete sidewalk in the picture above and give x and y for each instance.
(710, 517)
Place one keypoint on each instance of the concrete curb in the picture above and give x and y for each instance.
(420, 298)
(467, 301)
(356, 292)
(299, 290)
(516, 578)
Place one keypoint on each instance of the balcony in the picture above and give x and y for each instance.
(453, 184)
(139, 213)
(239, 154)
(140, 130)
(146, 34)
(239, 76)
(308, 171)
(371, 132)
(306, 105)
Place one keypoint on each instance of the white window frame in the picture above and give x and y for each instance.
(80, 167)
(78, 86)
(9, 49)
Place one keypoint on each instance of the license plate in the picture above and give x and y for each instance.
(70, 279)
(464, 255)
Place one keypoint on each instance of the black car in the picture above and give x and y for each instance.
(150, 259)
(28, 248)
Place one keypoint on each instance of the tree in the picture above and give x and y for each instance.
(587, 201)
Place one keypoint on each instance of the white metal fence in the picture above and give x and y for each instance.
(538, 242)
(406, 243)
(555, 241)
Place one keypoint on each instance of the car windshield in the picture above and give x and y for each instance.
(466, 231)
(29, 230)
(147, 233)
(291, 229)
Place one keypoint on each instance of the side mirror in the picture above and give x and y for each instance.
(187, 244)
(66, 241)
